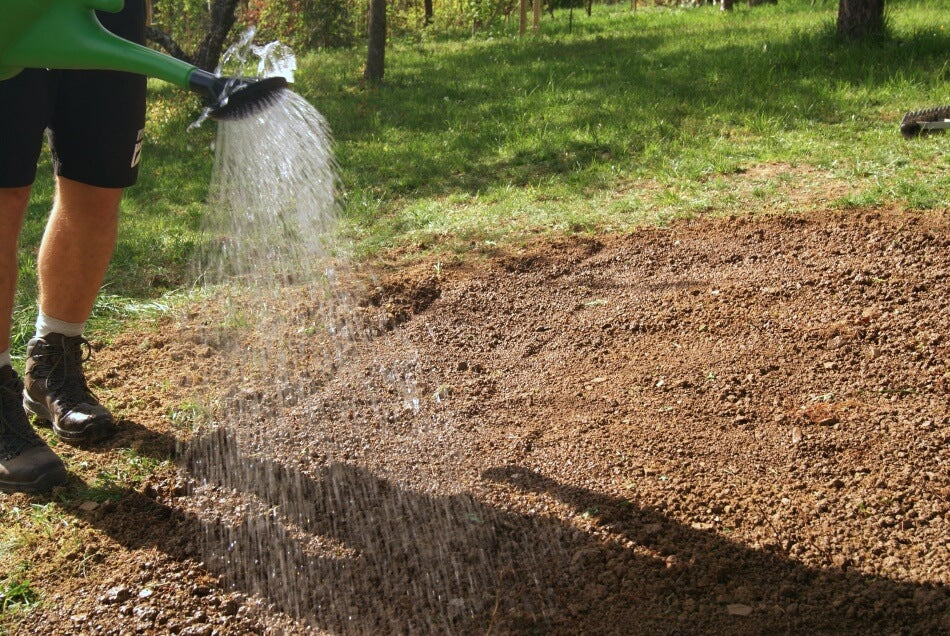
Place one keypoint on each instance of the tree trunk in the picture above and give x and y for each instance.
(159, 37)
(523, 23)
(428, 9)
(376, 42)
(222, 19)
(536, 7)
(726, 5)
(859, 18)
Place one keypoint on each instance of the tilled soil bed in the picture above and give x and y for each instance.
(724, 426)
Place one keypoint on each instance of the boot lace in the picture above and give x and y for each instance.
(61, 367)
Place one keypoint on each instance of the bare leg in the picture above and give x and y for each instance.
(74, 255)
(76, 249)
(13, 202)
(26, 463)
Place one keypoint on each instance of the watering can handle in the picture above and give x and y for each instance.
(65, 34)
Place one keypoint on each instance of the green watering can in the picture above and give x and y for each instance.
(65, 34)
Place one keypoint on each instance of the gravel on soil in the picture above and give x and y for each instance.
(722, 426)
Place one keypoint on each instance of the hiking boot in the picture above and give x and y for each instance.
(26, 463)
(56, 390)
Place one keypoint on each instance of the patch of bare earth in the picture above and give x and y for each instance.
(735, 426)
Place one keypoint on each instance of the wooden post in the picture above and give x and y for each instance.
(523, 25)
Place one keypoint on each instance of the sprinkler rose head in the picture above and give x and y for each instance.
(234, 97)
(249, 98)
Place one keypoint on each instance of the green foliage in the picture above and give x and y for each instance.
(15, 595)
(186, 20)
(484, 14)
(304, 24)
(189, 415)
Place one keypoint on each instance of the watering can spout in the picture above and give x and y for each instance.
(65, 34)
(235, 97)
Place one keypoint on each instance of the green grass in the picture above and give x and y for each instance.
(477, 143)
(16, 595)
(633, 118)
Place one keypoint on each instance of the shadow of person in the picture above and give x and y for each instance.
(709, 582)
(350, 552)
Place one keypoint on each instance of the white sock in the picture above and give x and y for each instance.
(5, 360)
(46, 325)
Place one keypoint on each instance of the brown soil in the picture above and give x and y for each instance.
(735, 426)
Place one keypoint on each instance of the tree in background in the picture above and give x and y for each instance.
(376, 42)
(570, 5)
(215, 26)
(205, 26)
(860, 18)
(303, 24)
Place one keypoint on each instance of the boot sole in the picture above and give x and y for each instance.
(43, 483)
(95, 431)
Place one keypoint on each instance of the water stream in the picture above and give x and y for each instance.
(291, 480)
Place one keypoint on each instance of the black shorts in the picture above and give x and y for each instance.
(95, 119)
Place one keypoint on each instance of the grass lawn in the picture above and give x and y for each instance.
(631, 118)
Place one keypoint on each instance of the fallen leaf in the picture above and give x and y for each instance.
(738, 609)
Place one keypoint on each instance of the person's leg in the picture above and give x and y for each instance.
(96, 134)
(13, 202)
(74, 255)
(76, 249)
(26, 463)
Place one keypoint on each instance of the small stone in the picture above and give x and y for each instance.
(738, 609)
(145, 612)
(117, 594)
(836, 483)
(88, 506)
(796, 435)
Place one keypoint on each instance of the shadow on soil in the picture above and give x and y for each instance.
(350, 552)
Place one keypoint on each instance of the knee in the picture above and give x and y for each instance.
(14, 198)
(87, 203)
(13, 202)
